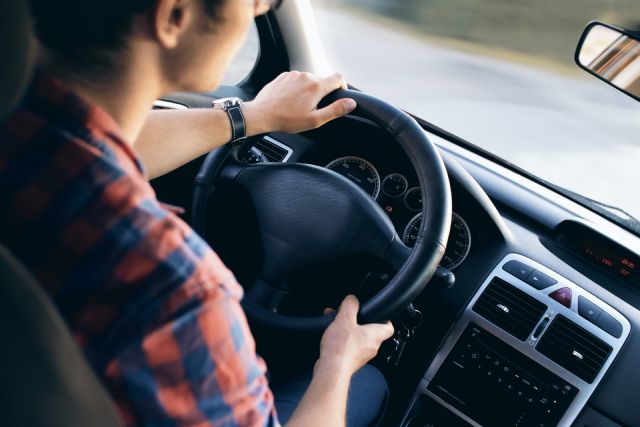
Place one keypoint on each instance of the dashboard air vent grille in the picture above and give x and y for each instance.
(574, 348)
(510, 308)
(272, 150)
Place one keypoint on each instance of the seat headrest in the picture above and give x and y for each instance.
(17, 48)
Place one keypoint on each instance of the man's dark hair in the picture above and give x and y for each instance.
(86, 33)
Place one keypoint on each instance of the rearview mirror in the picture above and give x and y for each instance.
(613, 55)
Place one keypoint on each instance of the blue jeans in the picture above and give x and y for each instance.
(368, 396)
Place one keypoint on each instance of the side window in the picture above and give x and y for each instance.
(244, 61)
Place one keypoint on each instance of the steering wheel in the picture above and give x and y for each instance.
(308, 214)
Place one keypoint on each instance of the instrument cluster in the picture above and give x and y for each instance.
(402, 202)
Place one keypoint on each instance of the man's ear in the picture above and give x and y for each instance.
(170, 20)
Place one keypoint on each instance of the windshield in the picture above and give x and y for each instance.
(500, 74)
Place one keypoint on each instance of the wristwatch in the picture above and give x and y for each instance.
(233, 107)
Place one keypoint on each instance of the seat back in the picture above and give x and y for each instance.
(44, 376)
(16, 52)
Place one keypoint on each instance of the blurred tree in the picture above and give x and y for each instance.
(544, 28)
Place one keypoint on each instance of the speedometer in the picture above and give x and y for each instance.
(360, 171)
(458, 245)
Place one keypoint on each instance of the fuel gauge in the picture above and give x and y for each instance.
(413, 199)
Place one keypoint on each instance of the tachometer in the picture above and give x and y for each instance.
(359, 171)
(458, 245)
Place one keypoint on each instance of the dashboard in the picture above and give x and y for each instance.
(547, 382)
(580, 278)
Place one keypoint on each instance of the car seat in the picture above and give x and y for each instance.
(44, 376)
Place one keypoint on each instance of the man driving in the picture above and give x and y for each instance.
(154, 309)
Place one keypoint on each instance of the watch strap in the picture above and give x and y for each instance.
(238, 124)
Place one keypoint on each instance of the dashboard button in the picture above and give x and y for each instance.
(610, 325)
(518, 269)
(563, 296)
(588, 310)
(540, 280)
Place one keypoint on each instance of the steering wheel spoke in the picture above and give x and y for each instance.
(231, 169)
(265, 294)
(397, 254)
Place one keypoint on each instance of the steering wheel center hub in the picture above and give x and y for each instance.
(307, 214)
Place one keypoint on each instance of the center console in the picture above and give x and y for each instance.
(529, 350)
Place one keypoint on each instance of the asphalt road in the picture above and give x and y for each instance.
(570, 129)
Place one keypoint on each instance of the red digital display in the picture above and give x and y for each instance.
(602, 252)
(622, 265)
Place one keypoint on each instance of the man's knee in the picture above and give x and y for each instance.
(368, 398)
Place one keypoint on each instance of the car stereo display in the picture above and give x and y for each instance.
(623, 266)
(602, 252)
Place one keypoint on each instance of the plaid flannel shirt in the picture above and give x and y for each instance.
(152, 306)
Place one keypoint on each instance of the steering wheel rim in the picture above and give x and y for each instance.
(414, 267)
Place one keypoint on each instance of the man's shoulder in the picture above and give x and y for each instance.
(48, 169)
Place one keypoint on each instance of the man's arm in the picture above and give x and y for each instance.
(172, 138)
(325, 401)
(346, 346)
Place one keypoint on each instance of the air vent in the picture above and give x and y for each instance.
(273, 150)
(574, 348)
(510, 308)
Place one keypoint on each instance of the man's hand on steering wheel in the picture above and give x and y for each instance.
(289, 104)
(347, 346)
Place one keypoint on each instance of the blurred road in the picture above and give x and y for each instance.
(572, 130)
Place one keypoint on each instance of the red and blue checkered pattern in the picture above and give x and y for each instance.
(152, 306)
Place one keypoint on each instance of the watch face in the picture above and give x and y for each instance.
(224, 103)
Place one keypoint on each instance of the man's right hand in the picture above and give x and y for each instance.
(347, 346)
